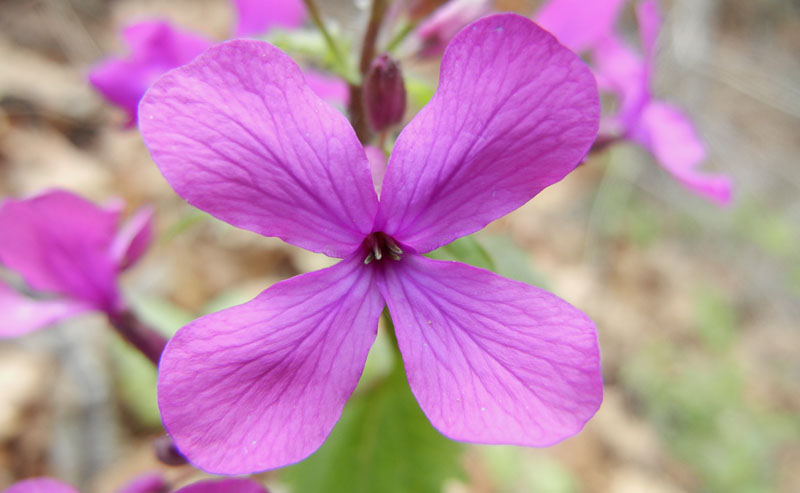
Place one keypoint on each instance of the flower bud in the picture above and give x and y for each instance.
(384, 93)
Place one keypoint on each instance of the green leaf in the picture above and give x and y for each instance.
(467, 250)
(492, 252)
(511, 261)
(419, 91)
(383, 442)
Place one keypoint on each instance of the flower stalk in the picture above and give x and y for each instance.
(145, 339)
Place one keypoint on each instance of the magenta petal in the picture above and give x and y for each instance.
(671, 137)
(515, 112)
(133, 238)
(377, 165)
(331, 88)
(492, 360)
(437, 30)
(239, 134)
(152, 482)
(255, 17)
(59, 243)
(579, 24)
(40, 485)
(155, 47)
(620, 70)
(21, 315)
(232, 485)
(649, 19)
(261, 385)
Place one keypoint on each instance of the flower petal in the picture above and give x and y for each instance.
(40, 485)
(254, 17)
(579, 24)
(133, 238)
(649, 20)
(622, 71)
(438, 29)
(22, 315)
(156, 47)
(261, 385)
(492, 360)
(231, 485)
(671, 137)
(515, 112)
(333, 89)
(239, 134)
(59, 243)
(153, 482)
(377, 165)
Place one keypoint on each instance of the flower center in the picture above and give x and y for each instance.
(379, 246)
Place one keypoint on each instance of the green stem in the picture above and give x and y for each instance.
(311, 6)
(401, 35)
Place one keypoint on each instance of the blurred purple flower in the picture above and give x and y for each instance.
(230, 485)
(156, 46)
(255, 17)
(659, 127)
(40, 485)
(436, 31)
(70, 252)
(239, 134)
(149, 483)
(153, 482)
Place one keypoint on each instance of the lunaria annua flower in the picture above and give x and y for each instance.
(157, 46)
(240, 135)
(70, 253)
(660, 127)
(150, 483)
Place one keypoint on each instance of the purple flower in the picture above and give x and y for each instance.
(150, 483)
(70, 253)
(659, 127)
(579, 24)
(254, 17)
(436, 31)
(230, 485)
(153, 482)
(40, 485)
(239, 134)
(156, 46)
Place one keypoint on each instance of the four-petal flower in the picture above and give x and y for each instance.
(239, 134)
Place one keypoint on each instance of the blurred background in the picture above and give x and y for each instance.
(697, 306)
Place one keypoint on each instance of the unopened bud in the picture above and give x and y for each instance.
(384, 93)
(167, 453)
